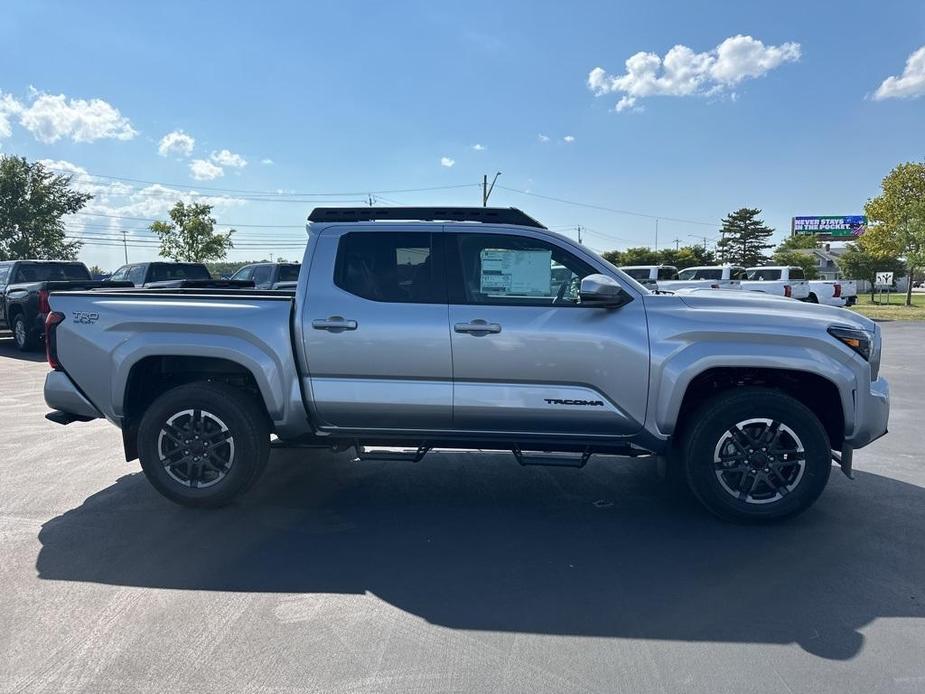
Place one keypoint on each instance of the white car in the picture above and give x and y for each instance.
(780, 280)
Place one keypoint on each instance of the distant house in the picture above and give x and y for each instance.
(825, 257)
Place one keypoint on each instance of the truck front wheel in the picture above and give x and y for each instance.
(202, 444)
(25, 338)
(756, 454)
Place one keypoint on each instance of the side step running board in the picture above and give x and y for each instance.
(564, 460)
(367, 454)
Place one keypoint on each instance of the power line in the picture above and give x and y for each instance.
(605, 208)
(196, 188)
(228, 224)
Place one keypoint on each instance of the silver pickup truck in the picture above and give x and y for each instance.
(471, 328)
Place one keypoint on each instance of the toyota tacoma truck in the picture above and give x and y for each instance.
(461, 328)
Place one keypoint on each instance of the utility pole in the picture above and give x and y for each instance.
(656, 233)
(579, 233)
(486, 189)
(370, 199)
(677, 243)
(124, 246)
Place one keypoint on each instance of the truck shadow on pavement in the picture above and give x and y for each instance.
(8, 349)
(472, 541)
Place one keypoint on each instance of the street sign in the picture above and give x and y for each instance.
(884, 279)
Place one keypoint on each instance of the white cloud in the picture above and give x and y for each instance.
(9, 106)
(447, 162)
(51, 117)
(176, 142)
(225, 157)
(267, 161)
(682, 72)
(568, 139)
(203, 170)
(543, 138)
(479, 148)
(908, 85)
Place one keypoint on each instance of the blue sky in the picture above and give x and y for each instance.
(363, 97)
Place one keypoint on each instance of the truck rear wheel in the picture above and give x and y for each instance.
(756, 454)
(202, 444)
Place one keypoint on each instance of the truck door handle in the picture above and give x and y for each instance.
(477, 327)
(334, 324)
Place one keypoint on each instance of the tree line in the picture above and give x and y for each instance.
(34, 202)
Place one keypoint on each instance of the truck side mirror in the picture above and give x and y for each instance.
(601, 291)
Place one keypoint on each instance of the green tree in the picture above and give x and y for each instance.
(639, 255)
(190, 235)
(32, 203)
(745, 238)
(798, 241)
(860, 264)
(687, 256)
(898, 219)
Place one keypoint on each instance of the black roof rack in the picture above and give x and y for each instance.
(490, 215)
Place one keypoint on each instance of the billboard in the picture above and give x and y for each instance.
(830, 227)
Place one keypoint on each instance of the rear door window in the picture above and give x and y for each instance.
(395, 267)
(288, 273)
(262, 275)
(796, 273)
(667, 273)
(136, 275)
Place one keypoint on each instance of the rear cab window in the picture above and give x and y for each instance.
(4, 273)
(50, 272)
(163, 272)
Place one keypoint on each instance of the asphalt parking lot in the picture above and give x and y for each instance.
(461, 573)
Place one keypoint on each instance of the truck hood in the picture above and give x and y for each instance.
(774, 308)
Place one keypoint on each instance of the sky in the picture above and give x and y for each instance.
(606, 115)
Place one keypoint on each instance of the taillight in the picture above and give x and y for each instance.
(788, 292)
(51, 342)
(43, 301)
(837, 290)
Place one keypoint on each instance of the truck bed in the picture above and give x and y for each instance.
(108, 333)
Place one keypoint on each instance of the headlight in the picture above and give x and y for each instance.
(858, 340)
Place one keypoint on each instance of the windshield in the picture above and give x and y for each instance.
(764, 273)
(51, 272)
(704, 273)
(162, 272)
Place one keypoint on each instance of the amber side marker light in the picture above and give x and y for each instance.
(857, 340)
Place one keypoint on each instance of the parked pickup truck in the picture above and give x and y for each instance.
(826, 292)
(780, 280)
(849, 291)
(471, 328)
(706, 277)
(143, 274)
(269, 275)
(24, 288)
(650, 275)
